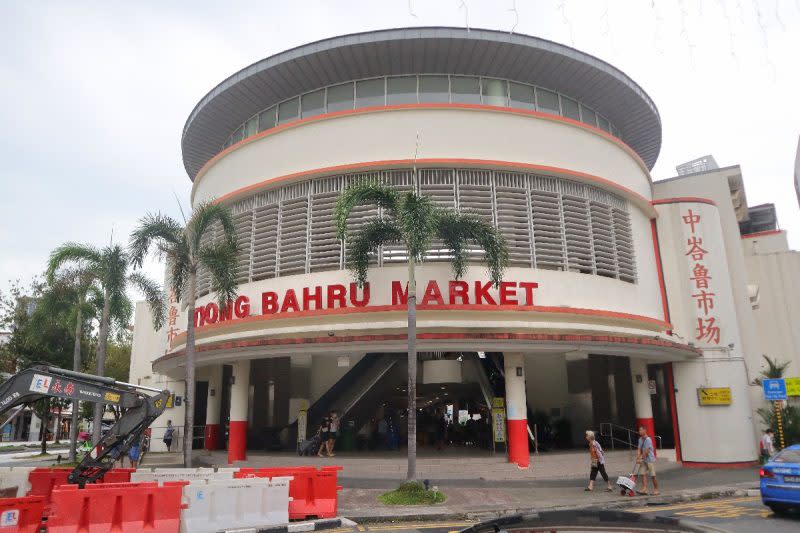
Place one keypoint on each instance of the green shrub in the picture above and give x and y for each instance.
(411, 493)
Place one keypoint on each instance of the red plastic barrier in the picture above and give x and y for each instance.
(117, 475)
(44, 480)
(21, 515)
(119, 507)
(314, 492)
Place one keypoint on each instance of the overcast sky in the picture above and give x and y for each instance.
(93, 95)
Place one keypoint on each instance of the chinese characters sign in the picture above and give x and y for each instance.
(707, 329)
(172, 318)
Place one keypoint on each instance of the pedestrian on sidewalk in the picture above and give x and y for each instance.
(324, 433)
(598, 462)
(168, 434)
(134, 452)
(767, 445)
(333, 433)
(646, 458)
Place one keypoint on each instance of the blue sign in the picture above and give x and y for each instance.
(774, 389)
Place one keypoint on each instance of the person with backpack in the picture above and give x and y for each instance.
(767, 445)
(598, 462)
(324, 432)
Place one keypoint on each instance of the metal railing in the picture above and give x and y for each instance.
(624, 436)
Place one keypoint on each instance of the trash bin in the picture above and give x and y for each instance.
(347, 440)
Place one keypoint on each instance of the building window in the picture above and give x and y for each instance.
(547, 101)
(289, 110)
(251, 127)
(570, 108)
(266, 119)
(465, 90)
(588, 116)
(370, 93)
(401, 90)
(340, 97)
(434, 89)
(522, 96)
(495, 92)
(313, 103)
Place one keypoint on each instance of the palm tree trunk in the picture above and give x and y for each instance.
(188, 396)
(57, 426)
(76, 366)
(102, 344)
(412, 371)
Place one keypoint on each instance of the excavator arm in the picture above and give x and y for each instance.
(138, 409)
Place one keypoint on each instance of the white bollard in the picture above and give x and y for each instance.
(16, 476)
(216, 505)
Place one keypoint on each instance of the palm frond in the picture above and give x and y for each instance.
(372, 235)
(152, 229)
(417, 217)
(153, 294)
(220, 260)
(203, 218)
(364, 193)
(72, 253)
(457, 230)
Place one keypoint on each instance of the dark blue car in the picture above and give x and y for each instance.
(780, 480)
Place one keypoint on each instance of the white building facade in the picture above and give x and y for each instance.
(625, 301)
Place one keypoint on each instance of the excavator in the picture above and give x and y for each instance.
(138, 408)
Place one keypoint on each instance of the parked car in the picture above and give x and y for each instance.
(780, 480)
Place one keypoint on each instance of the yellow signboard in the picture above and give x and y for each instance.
(792, 386)
(714, 396)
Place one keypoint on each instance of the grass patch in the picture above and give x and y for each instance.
(411, 493)
(12, 448)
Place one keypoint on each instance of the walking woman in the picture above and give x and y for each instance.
(598, 462)
(333, 432)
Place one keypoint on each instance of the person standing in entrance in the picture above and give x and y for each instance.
(324, 434)
(333, 433)
(767, 445)
(598, 462)
(646, 458)
(168, 434)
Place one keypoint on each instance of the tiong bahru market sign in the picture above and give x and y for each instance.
(459, 293)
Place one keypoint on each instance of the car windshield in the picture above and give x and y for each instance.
(787, 456)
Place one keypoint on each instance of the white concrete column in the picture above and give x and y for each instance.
(643, 407)
(516, 409)
(237, 432)
(213, 408)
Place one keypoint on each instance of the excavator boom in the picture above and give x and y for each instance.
(138, 409)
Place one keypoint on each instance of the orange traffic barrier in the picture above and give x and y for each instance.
(314, 492)
(21, 515)
(44, 480)
(119, 507)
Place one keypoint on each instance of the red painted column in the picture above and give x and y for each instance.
(642, 405)
(676, 430)
(516, 410)
(237, 432)
(211, 437)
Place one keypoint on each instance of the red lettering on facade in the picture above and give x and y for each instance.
(696, 251)
(269, 303)
(705, 300)
(364, 301)
(212, 313)
(508, 293)
(290, 302)
(432, 294)
(482, 293)
(315, 297)
(528, 287)
(199, 317)
(226, 313)
(242, 307)
(458, 290)
(707, 331)
(337, 293)
(691, 219)
(399, 293)
(700, 276)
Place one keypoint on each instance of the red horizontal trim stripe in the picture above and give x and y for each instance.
(740, 464)
(762, 233)
(390, 163)
(541, 337)
(614, 315)
(376, 109)
(684, 200)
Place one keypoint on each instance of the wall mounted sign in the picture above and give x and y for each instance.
(714, 396)
(792, 386)
(774, 389)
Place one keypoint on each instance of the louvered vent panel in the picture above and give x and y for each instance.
(403, 181)
(265, 235)
(577, 231)
(362, 214)
(243, 222)
(438, 183)
(203, 275)
(512, 216)
(547, 229)
(603, 240)
(626, 260)
(325, 251)
(292, 240)
(475, 196)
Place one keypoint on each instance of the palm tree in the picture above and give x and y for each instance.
(186, 250)
(82, 282)
(109, 267)
(774, 370)
(415, 221)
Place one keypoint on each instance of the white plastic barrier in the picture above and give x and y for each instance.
(16, 476)
(182, 474)
(217, 505)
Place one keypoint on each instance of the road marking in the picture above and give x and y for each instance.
(361, 528)
(728, 508)
(417, 525)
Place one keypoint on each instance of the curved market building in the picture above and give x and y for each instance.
(598, 319)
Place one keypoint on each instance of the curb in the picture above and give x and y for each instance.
(687, 496)
(296, 527)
